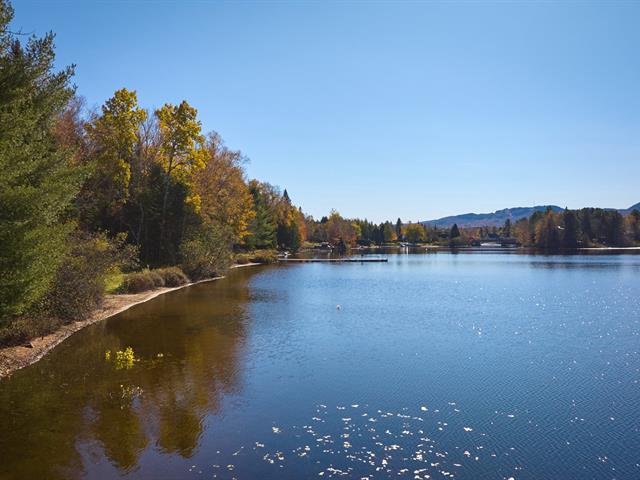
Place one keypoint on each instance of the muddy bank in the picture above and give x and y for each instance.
(17, 357)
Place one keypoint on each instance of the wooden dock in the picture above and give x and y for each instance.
(333, 260)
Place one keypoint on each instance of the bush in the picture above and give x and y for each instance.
(257, 256)
(206, 252)
(241, 260)
(265, 256)
(149, 279)
(173, 276)
(79, 284)
(23, 329)
(137, 282)
(156, 278)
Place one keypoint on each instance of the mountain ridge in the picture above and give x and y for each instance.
(497, 218)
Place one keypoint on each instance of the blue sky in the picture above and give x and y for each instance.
(384, 109)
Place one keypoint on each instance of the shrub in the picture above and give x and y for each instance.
(264, 256)
(241, 260)
(173, 276)
(79, 284)
(156, 278)
(149, 279)
(26, 327)
(137, 282)
(257, 256)
(206, 252)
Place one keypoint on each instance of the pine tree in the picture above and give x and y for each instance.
(262, 227)
(616, 234)
(570, 234)
(399, 228)
(36, 183)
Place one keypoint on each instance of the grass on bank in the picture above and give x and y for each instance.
(258, 256)
(137, 282)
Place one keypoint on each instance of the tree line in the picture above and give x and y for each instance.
(549, 230)
(587, 227)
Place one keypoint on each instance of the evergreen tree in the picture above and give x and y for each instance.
(388, 232)
(455, 231)
(37, 184)
(570, 235)
(288, 236)
(262, 226)
(295, 239)
(399, 229)
(506, 230)
(616, 234)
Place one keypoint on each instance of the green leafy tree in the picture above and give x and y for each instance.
(414, 233)
(206, 251)
(37, 184)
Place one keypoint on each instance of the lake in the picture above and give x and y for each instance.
(442, 365)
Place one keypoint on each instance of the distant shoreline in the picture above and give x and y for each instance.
(609, 248)
(17, 357)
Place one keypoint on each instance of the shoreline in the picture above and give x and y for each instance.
(17, 357)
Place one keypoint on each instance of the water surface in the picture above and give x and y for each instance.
(435, 366)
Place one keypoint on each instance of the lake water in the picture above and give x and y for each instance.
(467, 366)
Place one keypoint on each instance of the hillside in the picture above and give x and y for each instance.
(497, 218)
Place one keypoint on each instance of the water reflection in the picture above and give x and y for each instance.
(75, 407)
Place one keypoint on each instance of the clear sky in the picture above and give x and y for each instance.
(384, 109)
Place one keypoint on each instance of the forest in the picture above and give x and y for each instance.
(120, 199)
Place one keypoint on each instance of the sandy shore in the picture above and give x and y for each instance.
(17, 357)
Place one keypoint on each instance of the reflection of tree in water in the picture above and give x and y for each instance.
(52, 414)
(120, 432)
(180, 428)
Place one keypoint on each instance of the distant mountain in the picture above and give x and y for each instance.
(627, 211)
(497, 218)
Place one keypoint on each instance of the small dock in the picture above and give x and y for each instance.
(333, 260)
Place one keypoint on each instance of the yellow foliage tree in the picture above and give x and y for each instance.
(414, 233)
(181, 152)
(113, 137)
(224, 195)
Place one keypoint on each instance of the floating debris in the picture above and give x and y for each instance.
(391, 444)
